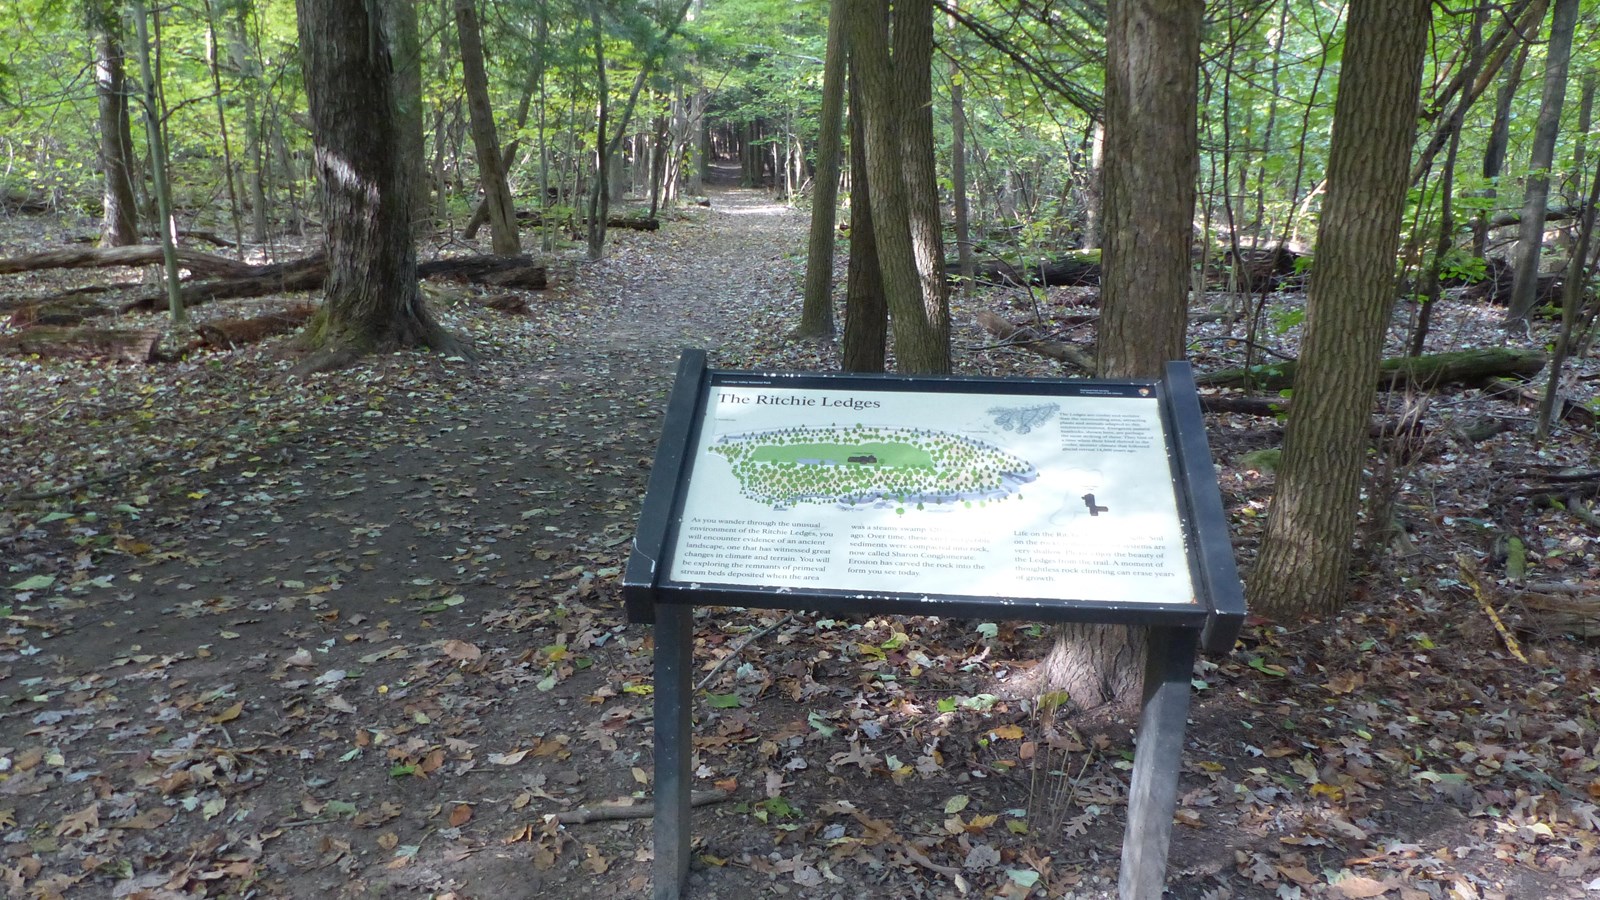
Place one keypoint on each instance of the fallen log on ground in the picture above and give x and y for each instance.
(65, 311)
(225, 334)
(304, 274)
(308, 273)
(136, 255)
(51, 342)
(1421, 372)
(1566, 409)
(498, 271)
(535, 218)
(1028, 339)
(1072, 270)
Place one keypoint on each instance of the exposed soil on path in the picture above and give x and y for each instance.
(372, 644)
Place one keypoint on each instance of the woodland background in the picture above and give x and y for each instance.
(1287, 193)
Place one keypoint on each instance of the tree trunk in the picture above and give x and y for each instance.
(400, 25)
(120, 222)
(866, 313)
(373, 303)
(503, 236)
(1305, 554)
(816, 312)
(1530, 240)
(958, 170)
(921, 341)
(1151, 165)
(1494, 151)
(913, 75)
(158, 161)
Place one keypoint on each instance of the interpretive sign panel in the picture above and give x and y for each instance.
(1061, 500)
(1062, 495)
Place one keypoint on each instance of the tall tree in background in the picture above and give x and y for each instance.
(119, 223)
(1305, 554)
(896, 109)
(373, 303)
(816, 312)
(866, 313)
(1530, 238)
(400, 25)
(1151, 164)
(491, 174)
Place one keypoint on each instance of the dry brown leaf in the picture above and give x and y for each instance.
(460, 815)
(227, 715)
(81, 822)
(1356, 887)
(462, 651)
(150, 818)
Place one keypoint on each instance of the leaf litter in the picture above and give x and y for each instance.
(360, 635)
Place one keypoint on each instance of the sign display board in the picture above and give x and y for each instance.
(1060, 500)
(1067, 494)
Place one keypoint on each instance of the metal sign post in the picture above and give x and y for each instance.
(1017, 499)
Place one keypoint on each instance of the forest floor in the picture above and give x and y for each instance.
(360, 635)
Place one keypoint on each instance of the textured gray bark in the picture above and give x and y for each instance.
(1151, 165)
(1305, 555)
(921, 337)
(119, 223)
(1530, 239)
(503, 236)
(866, 313)
(816, 312)
(373, 303)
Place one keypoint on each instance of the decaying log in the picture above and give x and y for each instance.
(1073, 270)
(535, 218)
(497, 271)
(304, 274)
(51, 342)
(1566, 410)
(223, 334)
(308, 273)
(137, 255)
(1421, 372)
(18, 202)
(64, 311)
(1263, 407)
(1028, 339)
(1569, 607)
(510, 304)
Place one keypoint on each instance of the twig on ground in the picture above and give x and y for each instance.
(740, 649)
(610, 812)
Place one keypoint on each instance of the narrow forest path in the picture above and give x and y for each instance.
(361, 636)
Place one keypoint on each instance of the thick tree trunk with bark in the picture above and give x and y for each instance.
(1530, 240)
(1305, 555)
(373, 303)
(866, 313)
(916, 299)
(816, 311)
(119, 221)
(1151, 163)
(491, 171)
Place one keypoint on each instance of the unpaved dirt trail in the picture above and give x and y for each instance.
(325, 675)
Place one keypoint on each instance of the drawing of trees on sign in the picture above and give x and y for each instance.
(859, 465)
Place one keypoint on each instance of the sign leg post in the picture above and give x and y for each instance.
(674, 745)
(1153, 796)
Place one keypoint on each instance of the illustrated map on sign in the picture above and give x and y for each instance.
(860, 465)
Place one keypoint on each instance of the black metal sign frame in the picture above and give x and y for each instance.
(1211, 615)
